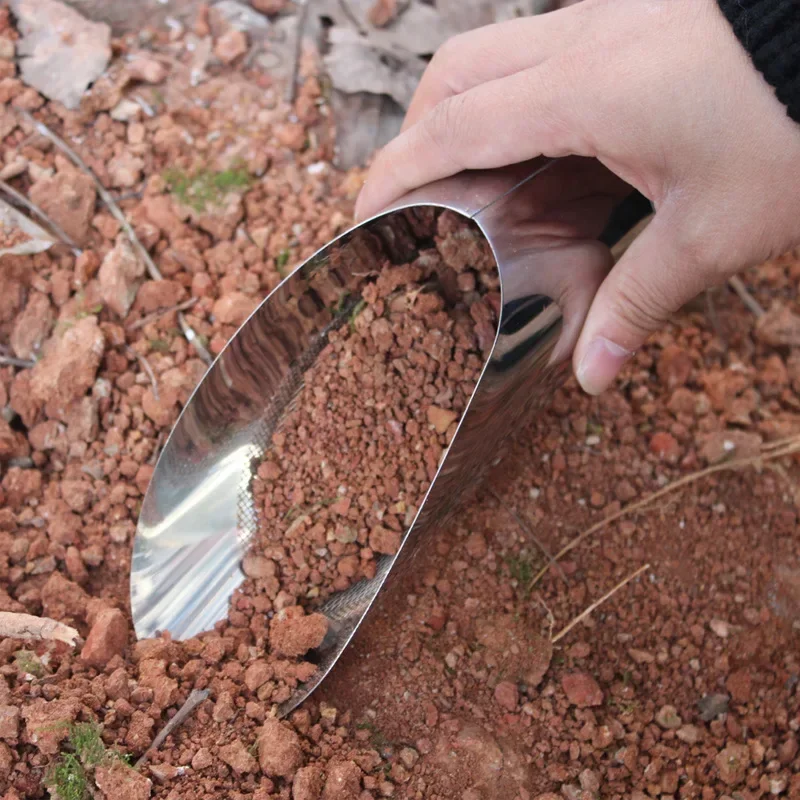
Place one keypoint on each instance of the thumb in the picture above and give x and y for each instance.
(650, 282)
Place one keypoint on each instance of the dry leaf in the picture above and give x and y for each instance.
(19, 235)
(26, 626)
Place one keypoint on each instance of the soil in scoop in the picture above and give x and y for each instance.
(350, 463)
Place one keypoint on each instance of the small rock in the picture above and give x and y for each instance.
(665, 446)
(382, 12)
(720, 627)
(441, 418)
(32, 326)
(145, 68)
(68, 197)
(280, 753)
(269, 7)
(732, 763)
(690, 734)
(723, 445)
(47, 724)
(60, 52)
(291, 135)
(68, 368)
(230, 46)
(779, 327)
(343, 781)
(712, 705)
(108, 637)
(674, 366)
(740, 684)
(9, 723)
(384, 540)
(202, 759)
(235, 755)
(234, 308)
(476, 546)
(293, 633)
(119, 277)
(125, 170)
(668, 718)
(582, 689)
(506, 695)
(257, 674)
(308, 783)
(120, 782)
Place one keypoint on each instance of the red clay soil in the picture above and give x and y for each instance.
(683, 684)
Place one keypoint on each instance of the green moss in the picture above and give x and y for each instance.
(204, 187)
(28, 662)
(159, 345)
(85, 740)
(521, 570)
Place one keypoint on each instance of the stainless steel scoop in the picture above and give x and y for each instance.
(548, 225)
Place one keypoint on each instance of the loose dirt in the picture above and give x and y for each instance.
(683, 684)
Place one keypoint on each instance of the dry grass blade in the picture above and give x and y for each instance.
(784, 447)
(291, 88)
(184, 712)
(27, 626)
(744, 295)
(140, 323)
(597, 603)
(116, 211)
(12, 361)
(147, 368)
(34, 209)
(528, 531)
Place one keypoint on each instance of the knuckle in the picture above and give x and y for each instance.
(447, 61)
(638, 306)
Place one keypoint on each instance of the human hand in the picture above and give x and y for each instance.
(665, 97)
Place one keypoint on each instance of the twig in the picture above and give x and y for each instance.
(566, 629)
(777, 450)
(744, 295)
(147, 368)
(154, 457)
(184, 712)
(34, 209)
(11, 361)
(27, 626)
(528, 531)
(302, 16)
(140, 323)
(115, 210)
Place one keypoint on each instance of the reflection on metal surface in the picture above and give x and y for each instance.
(198, 514)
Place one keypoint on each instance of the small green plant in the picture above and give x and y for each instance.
(204, 187)
(521, 569)
(67, 778)
(159, 345)
(357, 309)
(70, 775)
(84, 738)
(28, 662)
(281, 261)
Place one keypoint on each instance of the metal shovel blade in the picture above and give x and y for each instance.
(543, 222)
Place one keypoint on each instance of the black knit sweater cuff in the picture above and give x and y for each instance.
(770, 31)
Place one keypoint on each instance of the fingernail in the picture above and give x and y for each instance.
(600, 364)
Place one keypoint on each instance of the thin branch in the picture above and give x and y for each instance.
(27, 626)
(115, 210)
(140, 323)
(194, 699)
(11, 361)
(778, 450)
(147, 368)
(34, 209)
(302, 14)
(528, 531)
(738, 286)
(567, 628)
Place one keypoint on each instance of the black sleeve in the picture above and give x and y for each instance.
(770, 32)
